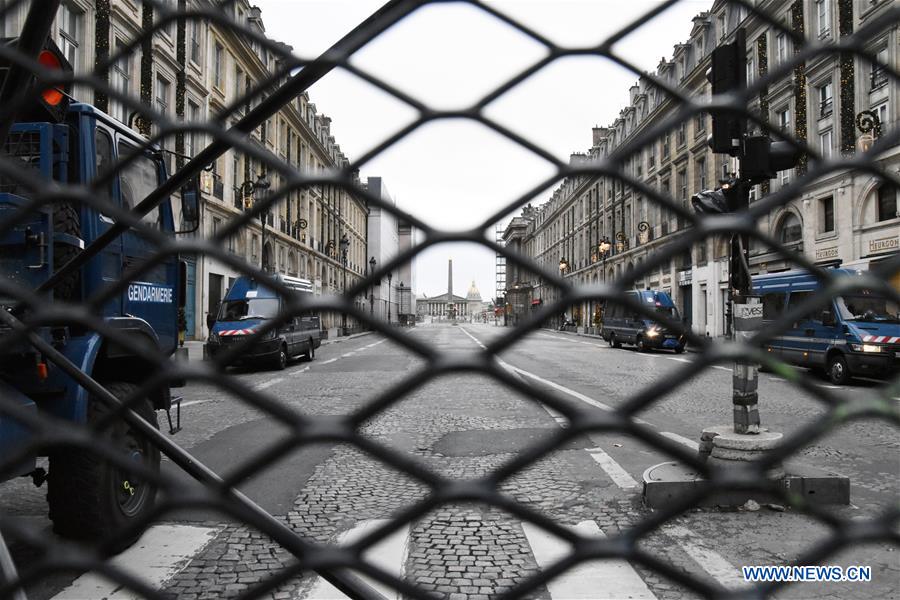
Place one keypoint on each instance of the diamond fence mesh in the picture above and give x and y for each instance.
(30, 313)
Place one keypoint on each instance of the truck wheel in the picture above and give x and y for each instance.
(641, 344)
(310, 350)
(92, 499)
(838, 370)
(613, 341)
(282, 360)
(66, 220)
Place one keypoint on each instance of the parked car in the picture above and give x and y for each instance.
(246, 307)
(855, 334)
(621, 324)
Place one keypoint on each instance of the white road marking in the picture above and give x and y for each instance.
(329, 361)
(389, 555)
(155, 558)
(681, 439)
(593, 579)
(615, 471)
(299, 371)
(268, 384)
(776, 379)
(708, 559)
(193, 402)
(721, 368)
(829, 387)
(348, 354)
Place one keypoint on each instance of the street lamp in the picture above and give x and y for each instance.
(400, 304)
(249, 190)
(371, 288)
(390, 276)
(344, 244)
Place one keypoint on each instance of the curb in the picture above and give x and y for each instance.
(345, 338)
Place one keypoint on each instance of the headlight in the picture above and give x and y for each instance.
(865, 348)
(269, 335)
(652, 332)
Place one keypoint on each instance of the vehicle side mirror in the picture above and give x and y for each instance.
(828, 318)
(190, 204)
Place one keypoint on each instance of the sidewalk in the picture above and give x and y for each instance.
(195, 347)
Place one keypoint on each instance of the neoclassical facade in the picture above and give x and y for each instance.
(593, 229)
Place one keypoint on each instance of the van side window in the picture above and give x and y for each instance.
(773, 306)
(798, 298)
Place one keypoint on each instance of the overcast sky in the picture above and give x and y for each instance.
(454, 174)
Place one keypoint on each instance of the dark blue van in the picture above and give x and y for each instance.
(247, 306)
(856, 334)
(621, 324)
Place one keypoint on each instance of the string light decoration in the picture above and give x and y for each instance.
(180, 81)
(848, 81)
(143, 122)
(101, 43)
(762, 53)
(798, 28)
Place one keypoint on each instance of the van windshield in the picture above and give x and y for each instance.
(869, 308)
(669, 311)
(252, 308)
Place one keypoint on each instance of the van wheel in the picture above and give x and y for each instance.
(93, 499)
(641, 344)
(310, 350)
(838, 370)
(282, 360)
(613, 341)
(679, 349)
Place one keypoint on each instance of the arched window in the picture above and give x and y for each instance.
(791, 229)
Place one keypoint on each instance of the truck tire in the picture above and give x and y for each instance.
(838, 369)
(310, 354)
(66, 220)
(92, 499)
(281, 360)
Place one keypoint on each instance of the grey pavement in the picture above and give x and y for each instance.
(466, 425)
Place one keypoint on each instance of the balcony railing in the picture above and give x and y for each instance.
(878, 78)
(218, 188)
(826, 107)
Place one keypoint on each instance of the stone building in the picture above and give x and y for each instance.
(595, 229)
(192, 70)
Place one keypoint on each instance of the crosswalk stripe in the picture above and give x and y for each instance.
(155, 558)
(596, 579)
(615, 471)
(389, 555)
(709, 560)
(680, 439)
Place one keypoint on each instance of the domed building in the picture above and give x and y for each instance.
(474, 305)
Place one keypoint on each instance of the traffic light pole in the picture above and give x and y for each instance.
(746, 313)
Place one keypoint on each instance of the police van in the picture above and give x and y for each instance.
(855, 334)
(622, 324)
(248, 305)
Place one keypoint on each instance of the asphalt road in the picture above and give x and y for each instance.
(464, 426)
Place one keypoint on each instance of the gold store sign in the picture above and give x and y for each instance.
(823, 253)
(884, 244)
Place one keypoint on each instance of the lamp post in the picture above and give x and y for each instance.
(390, 276)
(400, 305)
(372, 263)
(563, 269)
(344, 244)
(249, 190)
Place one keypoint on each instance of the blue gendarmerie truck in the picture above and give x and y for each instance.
(72, 143)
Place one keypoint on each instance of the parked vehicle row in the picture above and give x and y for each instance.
(857, 334)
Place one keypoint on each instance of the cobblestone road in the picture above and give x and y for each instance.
(463, 426)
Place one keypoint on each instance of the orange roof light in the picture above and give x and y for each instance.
(51, 95)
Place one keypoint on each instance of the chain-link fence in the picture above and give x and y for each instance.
(37, 334)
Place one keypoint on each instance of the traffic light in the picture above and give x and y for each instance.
(51, 100)
(727, 73)
(762, 158)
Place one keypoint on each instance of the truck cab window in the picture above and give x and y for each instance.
(137, 180)
(104, 156)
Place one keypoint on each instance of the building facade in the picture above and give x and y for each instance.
(192, 70)
(596, 229)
